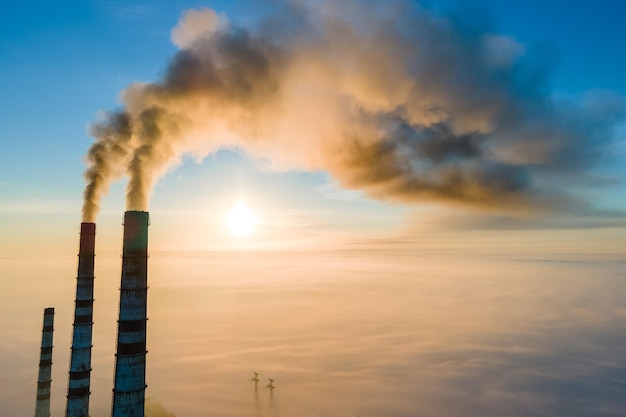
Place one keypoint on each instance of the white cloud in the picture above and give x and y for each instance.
(196, 24)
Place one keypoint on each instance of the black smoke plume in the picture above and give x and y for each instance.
(398, 101)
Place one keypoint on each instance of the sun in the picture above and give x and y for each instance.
(241, 221)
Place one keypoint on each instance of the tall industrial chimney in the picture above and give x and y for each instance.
(42, 408)
(130, 364)
(80, 362)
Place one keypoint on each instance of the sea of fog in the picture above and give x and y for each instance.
(369, 333)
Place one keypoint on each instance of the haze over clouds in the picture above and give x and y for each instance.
(378, 333)
(397, 101)
(425, 340)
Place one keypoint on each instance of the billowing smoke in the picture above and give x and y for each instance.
(395, 100)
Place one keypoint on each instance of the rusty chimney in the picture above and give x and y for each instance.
(42, 408)
(130, 363)
(80, 363)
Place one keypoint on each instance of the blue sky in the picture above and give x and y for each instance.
(64, 62)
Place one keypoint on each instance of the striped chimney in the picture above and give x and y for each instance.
(130, 364)
(80, 363)
(42, 408)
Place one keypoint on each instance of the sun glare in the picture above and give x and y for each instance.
(241, 221)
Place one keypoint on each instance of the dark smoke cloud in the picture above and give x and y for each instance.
(399, 102)
(106, 159)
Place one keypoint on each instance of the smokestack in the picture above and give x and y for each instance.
(80, 362)
(130, 364)
(42, 408)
